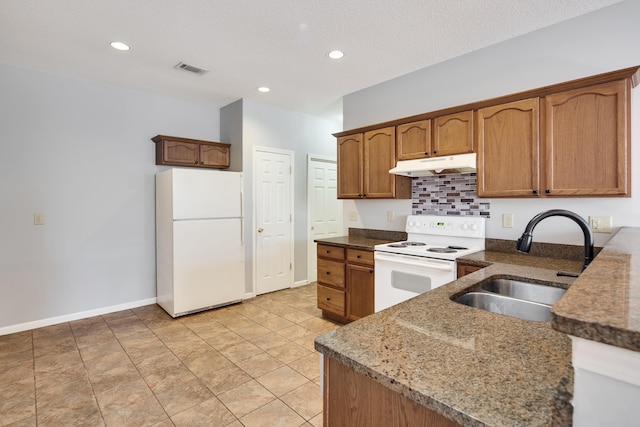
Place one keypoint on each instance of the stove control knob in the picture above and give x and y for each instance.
(410, 223)
(474, 227)
(417, 223)
(465, 226)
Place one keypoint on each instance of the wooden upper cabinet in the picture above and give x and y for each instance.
(414, 140)
(379, 156)
(214, 155)
(453, 134)
(587, 141)
(364, 160)
(350, 172)
(179, 153)
(508, 149)
(175, 151)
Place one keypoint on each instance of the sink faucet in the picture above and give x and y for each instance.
(524, 242)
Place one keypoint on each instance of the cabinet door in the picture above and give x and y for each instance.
(508, 149)
(350, 184)
(214, 156)
(180, 153)
(379, 156)
(359, 291)
(413, 140)
(587, 141)
(453, 134)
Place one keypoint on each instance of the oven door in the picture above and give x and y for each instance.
(401, 277)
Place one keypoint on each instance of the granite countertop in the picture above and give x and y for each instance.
(480, 368)
(486, 258)
(472, 366)
(365, 243)
(362, 238)
(603, 305)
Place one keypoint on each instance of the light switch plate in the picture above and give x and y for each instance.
(353, 216)
(391, 216)
(601, 224)
(507, 220)
(38, 218)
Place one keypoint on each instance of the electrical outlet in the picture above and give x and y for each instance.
(507, 220)
(38, 218)
(601, 224)
(353, 216)
(391, 216)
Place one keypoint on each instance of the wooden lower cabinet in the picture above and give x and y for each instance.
(360, 295)
(464, 269)
(352, 399)
(345, 283)
(332, 300)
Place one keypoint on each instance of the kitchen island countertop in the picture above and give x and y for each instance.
(480, 368)
(470, 365)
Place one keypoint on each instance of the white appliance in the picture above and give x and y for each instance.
(427, 259)
(199, 240)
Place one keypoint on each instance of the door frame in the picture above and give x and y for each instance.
(254, 236)
(310, 243)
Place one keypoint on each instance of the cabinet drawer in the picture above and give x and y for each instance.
(358, 256)
(331, 272)
(333, 252)
(331, 300)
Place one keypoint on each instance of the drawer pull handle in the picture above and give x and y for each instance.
(328, 272)
(359, 256)
(328, 299)
(328, 252)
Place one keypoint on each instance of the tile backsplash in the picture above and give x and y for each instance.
(449, 194)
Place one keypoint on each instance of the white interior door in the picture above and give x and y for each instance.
(325, 210)
(274, 220)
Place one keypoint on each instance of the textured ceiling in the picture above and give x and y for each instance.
(249, 43)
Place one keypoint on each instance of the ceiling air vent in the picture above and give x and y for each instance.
(191, 68)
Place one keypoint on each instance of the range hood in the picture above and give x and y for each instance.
(436, 165)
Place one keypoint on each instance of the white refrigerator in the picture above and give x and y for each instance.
(199, 240)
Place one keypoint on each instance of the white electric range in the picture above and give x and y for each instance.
(426, 260)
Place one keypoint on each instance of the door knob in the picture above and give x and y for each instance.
(260, 230)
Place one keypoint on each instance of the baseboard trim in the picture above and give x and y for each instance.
(73, 316)
(300, 283)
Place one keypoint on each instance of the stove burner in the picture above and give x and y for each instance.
(460, 248)
(448, 250)
(405, 244)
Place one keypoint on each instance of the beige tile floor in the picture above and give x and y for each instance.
(250, 364)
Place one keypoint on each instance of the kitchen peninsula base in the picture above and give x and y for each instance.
(352, 399)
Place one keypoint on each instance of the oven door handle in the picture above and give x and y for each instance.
(421, 263)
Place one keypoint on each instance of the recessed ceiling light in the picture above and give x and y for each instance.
(263, 89)
(119, 46)
(336, 54)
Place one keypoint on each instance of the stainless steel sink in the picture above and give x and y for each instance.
(524, 290)
(508, 306)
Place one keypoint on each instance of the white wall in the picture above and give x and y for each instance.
(81, 153)
(268, 126)
(599, 42)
